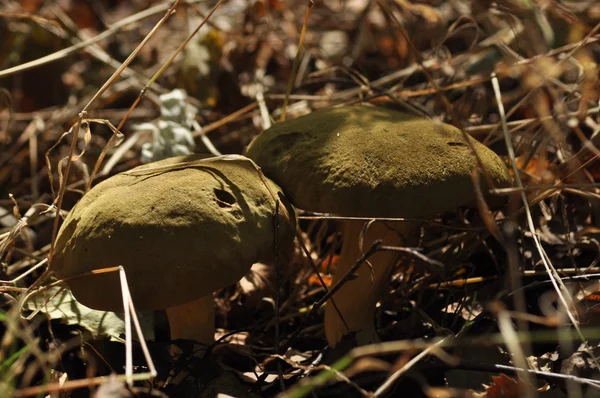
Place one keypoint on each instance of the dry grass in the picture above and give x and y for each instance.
(520, 76)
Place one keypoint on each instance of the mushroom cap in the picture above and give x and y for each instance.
(181, 228)
(372, 162)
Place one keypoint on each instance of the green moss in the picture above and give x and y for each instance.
(373, 162)
(182, 228)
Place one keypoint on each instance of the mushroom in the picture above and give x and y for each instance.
(361, 161)
(182, 228)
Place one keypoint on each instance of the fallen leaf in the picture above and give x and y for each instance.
(62, 305)
(504, 386)
(314, 280)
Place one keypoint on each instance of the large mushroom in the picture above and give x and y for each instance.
(181, 228)
(362, 161)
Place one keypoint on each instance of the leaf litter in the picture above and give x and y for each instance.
(494, 296)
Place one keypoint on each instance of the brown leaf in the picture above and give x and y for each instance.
(504, 387)
(314, 280)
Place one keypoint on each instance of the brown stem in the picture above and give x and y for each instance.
(193, 321)
(357, 298)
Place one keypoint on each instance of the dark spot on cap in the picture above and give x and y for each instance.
(224, 198)
(455, 143)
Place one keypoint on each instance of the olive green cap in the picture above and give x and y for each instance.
(181, 228)
(372, 162)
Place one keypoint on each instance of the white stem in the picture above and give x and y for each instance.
(193, 321)
(357, 298)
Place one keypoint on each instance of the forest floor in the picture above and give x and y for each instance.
(512, 311)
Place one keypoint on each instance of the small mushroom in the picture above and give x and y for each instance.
(362, 161)
(182, 228)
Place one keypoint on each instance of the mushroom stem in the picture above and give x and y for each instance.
(357, 298)
(194, 320)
